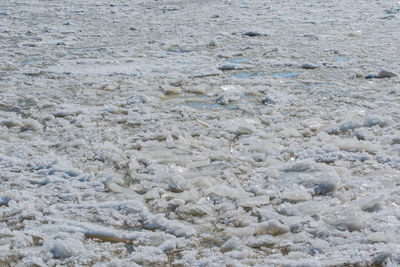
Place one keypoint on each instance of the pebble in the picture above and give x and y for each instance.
(177, 83)
(353, 35)
(381, 74)
(308, 66)
(372, 76)
(222, 56)
(387, 74)
(212, 43)
(226, 67)
(238, 54)
(252, 34)
(268, 101)
(221, 100)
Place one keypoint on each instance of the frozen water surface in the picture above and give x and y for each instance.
(244, 75)
(124, 142)
(285, 74)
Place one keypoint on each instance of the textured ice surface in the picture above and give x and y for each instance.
(125, 142)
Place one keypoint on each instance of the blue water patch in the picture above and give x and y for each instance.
(288, 113)
(323, 94)
(202, 105)
(340, 94)
(29, 62)
(69, 56)
(245, 75)
(129, 248)
(341, 59)
(232, 107)
(239, 60)
(285, 74)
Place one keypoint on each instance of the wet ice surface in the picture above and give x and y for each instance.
(123, 143)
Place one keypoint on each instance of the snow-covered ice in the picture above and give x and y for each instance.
(199, 133)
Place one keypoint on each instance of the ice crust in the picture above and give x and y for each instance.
(199, 133)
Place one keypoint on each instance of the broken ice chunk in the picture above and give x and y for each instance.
(345, 218)
(373, 203)
(233, 243)
(272, 227)
(261, 241)
(322, 177)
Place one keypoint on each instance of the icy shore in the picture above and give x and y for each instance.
(199, 133)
